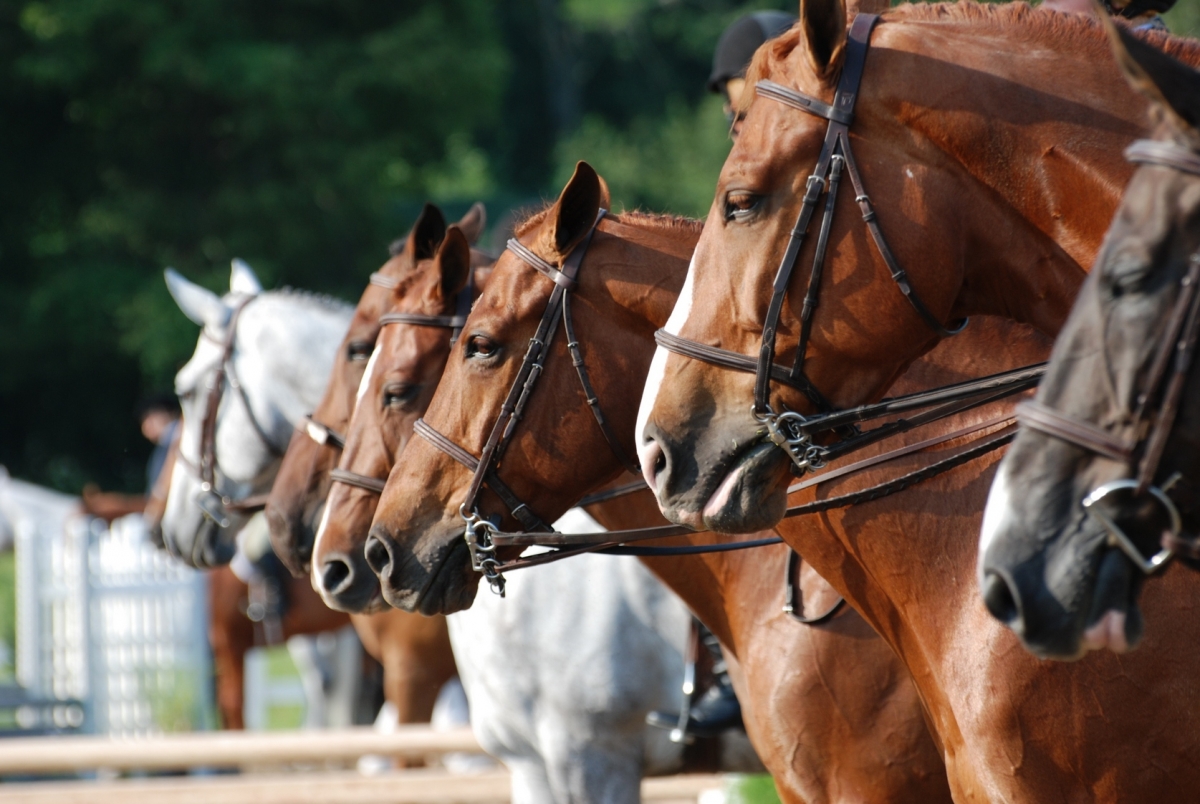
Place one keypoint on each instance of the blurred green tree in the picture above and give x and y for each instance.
(303, 137)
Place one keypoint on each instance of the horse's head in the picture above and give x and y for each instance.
(302, 484)
(196, 524)
(404, 369)
(1066, 520)
(856, 223)
(416, 544)
(242, 394)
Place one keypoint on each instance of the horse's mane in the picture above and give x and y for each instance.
(635, 217)
(1031, 24)
(311, 298)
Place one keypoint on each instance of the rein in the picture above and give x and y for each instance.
(215, 506)
(1168, 373)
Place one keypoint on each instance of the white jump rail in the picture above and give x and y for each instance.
(222, 749)
(402, 787)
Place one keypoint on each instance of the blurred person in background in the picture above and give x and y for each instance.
(158, 418)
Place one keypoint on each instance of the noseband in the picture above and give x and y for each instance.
(1168, 373)
(217, 507)
(479, 530)
(788, 430)
(454, 323)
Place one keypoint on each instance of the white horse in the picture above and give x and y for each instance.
(562, 671)
(261, 400)
(268, 355)
(560, 674)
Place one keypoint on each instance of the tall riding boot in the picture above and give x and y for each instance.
(716, 710)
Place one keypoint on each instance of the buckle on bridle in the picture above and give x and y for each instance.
(478, 536)
(213, 506)
(784, 431)
(1119, 539)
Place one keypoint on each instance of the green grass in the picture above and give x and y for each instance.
(8, 611)
(280, 667)
(747, 789)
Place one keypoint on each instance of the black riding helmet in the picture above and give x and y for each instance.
(738, 42)
(1131, 9)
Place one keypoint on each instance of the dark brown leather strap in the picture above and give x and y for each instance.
(1180, 343)
(737, 362)
(359, 481)
(421, 320)
(589, 393)
(520, 511)
(794, 598)
(1036, 416)
(597, 497)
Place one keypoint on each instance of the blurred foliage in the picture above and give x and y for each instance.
(1184, 18)
(751, 789)
(302, 136)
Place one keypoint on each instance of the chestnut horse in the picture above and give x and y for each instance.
(1116, 411)
(414, 651)
(996, 132)
(830, 710)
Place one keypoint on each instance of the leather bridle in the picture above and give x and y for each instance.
(785, 429)
(454, 323)
(479, 530)
(318, 431)
(217, 507)
(1149, 431)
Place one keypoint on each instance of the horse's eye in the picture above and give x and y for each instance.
(400, 395)
(482, 347)
(359, 350)
(186, 396)
(740, 206)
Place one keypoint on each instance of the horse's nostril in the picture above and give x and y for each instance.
(336, 573)
(378, 555)
(999, 599)
(660, 462)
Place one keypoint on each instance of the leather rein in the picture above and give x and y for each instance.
(1169, 368)
(218, 507)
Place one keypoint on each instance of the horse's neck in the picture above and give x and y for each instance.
(1035, 140)
(285, 354)
(647, 284)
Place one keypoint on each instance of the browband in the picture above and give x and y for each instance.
(1163, 154)
(384, 281)
(559, 278)
(448, 321)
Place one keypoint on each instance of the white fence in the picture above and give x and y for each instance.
(111, 627)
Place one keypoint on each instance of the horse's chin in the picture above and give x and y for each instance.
(749, 497)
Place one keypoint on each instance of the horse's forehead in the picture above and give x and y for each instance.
(203, 359)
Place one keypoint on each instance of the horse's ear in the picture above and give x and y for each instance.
(576, 209)
(242, 278)
(473, 223)
(454, 262)
(823, 23)
(1173, 86)
(199, 304)
(427, 233)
